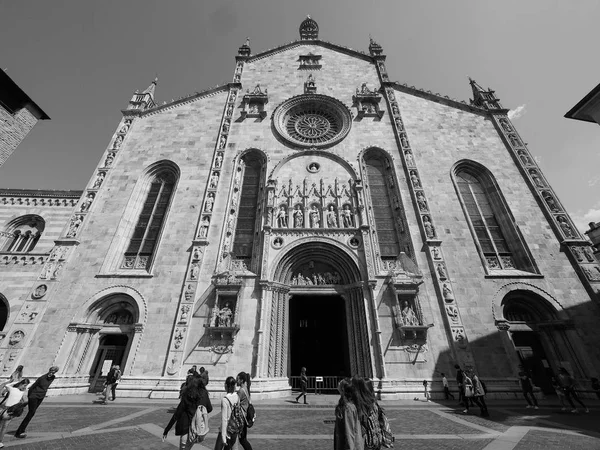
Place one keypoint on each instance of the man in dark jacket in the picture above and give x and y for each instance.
(36, 395)
(204, 376)
(110, 385)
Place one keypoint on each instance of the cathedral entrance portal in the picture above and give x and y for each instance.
(319, 335)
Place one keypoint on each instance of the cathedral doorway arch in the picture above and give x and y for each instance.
(4, 311)
(317, 312)
(540, 337)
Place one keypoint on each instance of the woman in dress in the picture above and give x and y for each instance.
(224, 441)
(243, 381)
(347, 434)
(193, 395)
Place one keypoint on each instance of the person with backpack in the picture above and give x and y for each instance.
(110, 385)
(13, 405)
(347, 433)
(375, 427)
(193, 396)
(243, 381)
(230, 423)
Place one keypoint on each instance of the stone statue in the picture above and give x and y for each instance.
(429, 228)
(565, 227)
(347, 217)
(210, 200)
(399, 124)
(118, 142)
(40, 291)
(514, 141)
(74, 225)
(415, 179)
(409, 318)
(421, 201)
(313, 167)
(505, 125)
(452, 312)
(441, 272)
(185, 309)
(87, 202)
(314, 217)
(109, 159)
(578, 252)
(225, 316)
(218, 160)
(436, 253)
(409, 158)
(225, 127)
(189, 292)
(214, 180)
(332, 221)
(524, 158)
(282, 217)
(448, 295)
(298, 217)
(550, 201)
(194, 271)
(56, 271)
(589, 254)
(222, 142)
(204, 227)
(125, 127)
(536, 179)
(196, 254)
(99, 180)
(403, 140)
(395, 110)
(310, 81)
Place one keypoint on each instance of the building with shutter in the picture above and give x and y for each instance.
(310, 213)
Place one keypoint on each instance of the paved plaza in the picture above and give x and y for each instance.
(77, 422)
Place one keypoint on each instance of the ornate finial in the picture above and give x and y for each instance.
(309, 29)
(244, 50)
(484, 98)
(247, 43)
(374, 48)
(150, 89)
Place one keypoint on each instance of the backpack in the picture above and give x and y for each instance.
(236, 421)
(199, 425)
(376, 430)
(250, 415)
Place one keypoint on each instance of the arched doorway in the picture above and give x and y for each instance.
(538, 336)
(318, 313)
(4, 310)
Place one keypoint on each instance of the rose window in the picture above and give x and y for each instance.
(312, 121)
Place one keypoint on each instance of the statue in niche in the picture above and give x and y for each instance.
(415, 179)
(87, 202)
(448, 295)
(314, 217)
(514, 141)
(229, 110)
(409, 158)
(218, 160)
(399, 124)
(591, 275)
(589, 254)
(550, 201)
(421, 201)
(125, 128)
(400, 223)
(214, 180)
(225, 316)
(109, 159)
(436, 253)
(409, 318)
(578, 252)
(536, 179)
(429, 228)
(194, 271)
(403, 140)
(452, 312)
(441, 272)
(196, 254)
(254, 108)
(222, 142)
(173, 364)
(332, 221)
(395, 109)
(40, 291)
(524, 158)
(282, 217)
(347, 217)
(298, 217)
(505, 126)
(74, 225)
(185, 309)
(178, 338)
(189, 292)
(565, 227)
(16, 337)
(210, 200)
(204, 227)
(118, 142)
(225, 127)
(99, 180)
(310, 81)
(313, 167)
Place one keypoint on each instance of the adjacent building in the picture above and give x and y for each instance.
(311, 213)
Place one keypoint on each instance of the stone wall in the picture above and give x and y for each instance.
(13, 129)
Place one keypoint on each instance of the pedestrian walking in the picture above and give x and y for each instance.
(15, 377)
(110, 385)
(204, 376)
(303, 385)
(224, 441)
(568, 384)
(347, 433)
(479, 393)
(16, 400)
(527, 388)
(426, 392)
(243, 381)
(467, 391)
(459, 381)
(560, 393)
(447, 393)
(35, 397)
(193, 395)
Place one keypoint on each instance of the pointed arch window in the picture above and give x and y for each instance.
(496, 235)
(23, 234)
(144, 239)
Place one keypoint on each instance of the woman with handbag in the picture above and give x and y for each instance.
(243, 381)
(192, 396)
(225, 441)
(14, 404)
(468, 391)
(479, 393)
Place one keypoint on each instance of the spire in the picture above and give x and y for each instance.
(145, 100)
(309, 29)
(150, 89)
(244, 50)
(374, 48)
(482, 98)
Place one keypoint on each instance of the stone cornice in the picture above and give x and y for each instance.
(317, 42)
(187, 99)
(34, 197)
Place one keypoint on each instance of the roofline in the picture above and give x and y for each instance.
(571, 114)
(330, 45)
(28, 103)
(44, 193)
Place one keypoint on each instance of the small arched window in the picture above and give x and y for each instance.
(144, 239)
(22, 234)
(492, 224)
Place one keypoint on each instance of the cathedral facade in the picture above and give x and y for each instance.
(309, 213)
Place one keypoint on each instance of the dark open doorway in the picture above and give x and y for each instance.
(533, 359)
(110, 351)
(318, 335)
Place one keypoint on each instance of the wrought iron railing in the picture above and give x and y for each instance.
(323, 384)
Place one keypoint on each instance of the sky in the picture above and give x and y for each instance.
(81, 61)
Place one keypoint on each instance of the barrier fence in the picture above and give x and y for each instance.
(318, 385)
